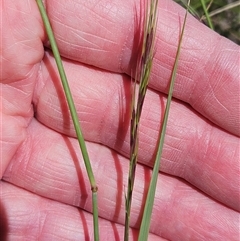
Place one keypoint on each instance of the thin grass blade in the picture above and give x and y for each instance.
(146, 219)
(224, 8)
(209, 21)
(191, 9)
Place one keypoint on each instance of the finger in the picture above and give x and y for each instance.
(53, 168)
(208, 73)
(22, 46)
(195, 149)
(30, 217)
(21, 49)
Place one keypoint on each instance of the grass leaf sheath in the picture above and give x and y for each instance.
(74, 116)
(143, 70)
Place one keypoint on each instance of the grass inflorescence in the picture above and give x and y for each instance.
(142, 75)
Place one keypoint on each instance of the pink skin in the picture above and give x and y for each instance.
(43, 179)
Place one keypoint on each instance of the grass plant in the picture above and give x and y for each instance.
(143, 71)
(146, 219)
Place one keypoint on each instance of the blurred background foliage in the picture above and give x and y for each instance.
(224, 15)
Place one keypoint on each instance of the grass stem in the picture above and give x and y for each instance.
(74, 115)
(205, 9)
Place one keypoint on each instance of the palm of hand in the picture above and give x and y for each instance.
(40, 149)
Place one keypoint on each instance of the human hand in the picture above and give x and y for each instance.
(44, 180)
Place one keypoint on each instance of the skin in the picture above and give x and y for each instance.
(45, 193)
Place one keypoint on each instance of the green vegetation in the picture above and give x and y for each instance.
(224, 16)
(74, 115)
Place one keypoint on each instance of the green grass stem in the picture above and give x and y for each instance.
(208, 18)
(223, 9)
(74, 115)
(146, 219)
